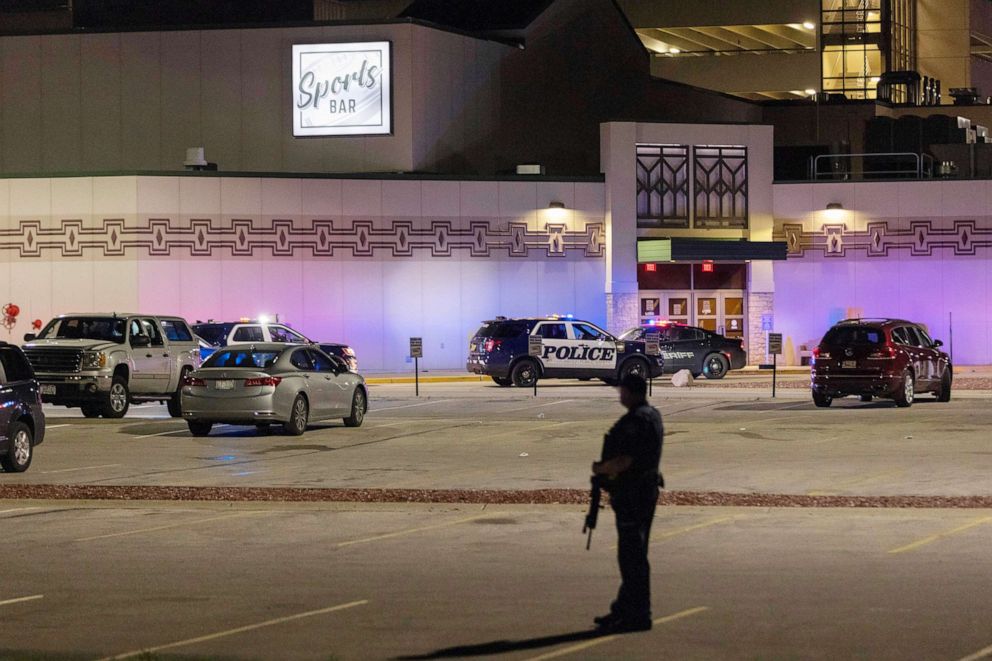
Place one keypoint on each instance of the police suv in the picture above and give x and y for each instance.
(569, 349)
(691, 348)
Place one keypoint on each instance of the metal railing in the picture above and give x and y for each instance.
(894, 165)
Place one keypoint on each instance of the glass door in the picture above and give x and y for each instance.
(733, 316)
(672, 306)
(707, 311)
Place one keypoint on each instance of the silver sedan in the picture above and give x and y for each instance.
(261, 384)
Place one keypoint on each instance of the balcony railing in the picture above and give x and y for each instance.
(888, 165)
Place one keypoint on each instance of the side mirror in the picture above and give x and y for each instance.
(938, 343)
(29, 337)
(141, 341)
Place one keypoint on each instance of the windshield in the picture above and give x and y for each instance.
(632, 335)
(242, 358)
(107, 329)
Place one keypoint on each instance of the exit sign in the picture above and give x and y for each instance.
(707, 267)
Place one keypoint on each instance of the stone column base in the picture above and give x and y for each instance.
(758, 303)
(623, 312)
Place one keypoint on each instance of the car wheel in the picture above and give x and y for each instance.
(944, 394)
(905, 394)
(715, 366)
(91, 410)
(358, 408)
(524, 374)
(634, 366)
(175, 403)
(21, 450)
(118, 399)
(866, 398)
(822, 400)
(199, 427)
(503, 381)
(297, 423)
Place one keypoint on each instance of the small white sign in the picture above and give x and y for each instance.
(416, 347)
(342, 89)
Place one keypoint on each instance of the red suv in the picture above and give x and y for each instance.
(879, 358)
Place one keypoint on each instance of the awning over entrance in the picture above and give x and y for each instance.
(694, 250)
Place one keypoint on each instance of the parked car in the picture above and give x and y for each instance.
(222, 334)
(890, 358)
(570, 349)
(695, 349)
(22, 422)
(267, 383)
(103, 363)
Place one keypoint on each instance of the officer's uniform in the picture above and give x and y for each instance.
(633, 496)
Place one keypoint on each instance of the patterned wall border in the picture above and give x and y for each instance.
(888, 238)
(244, 237)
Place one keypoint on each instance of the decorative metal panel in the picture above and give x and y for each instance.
(662, 186)
(720, 186)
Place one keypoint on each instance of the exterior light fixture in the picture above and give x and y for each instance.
(809, 25)
(555, 204)
(809, 91)
(835, 211)
(674, 51)
(835, 206)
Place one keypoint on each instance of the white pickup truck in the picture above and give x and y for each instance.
(103, 363)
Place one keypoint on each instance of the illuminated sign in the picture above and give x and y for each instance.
(707, 267)
(342, 89)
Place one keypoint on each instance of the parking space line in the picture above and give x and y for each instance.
(19, 600)
(537, 406)
(933, 538)
(681, 531)
(605, 639)
(408, 406)
(56, 426)
(162, 433)
(410, 531)
(81, 468)
(19, 509)
(983, 653)
(231, 632)
(167, 527)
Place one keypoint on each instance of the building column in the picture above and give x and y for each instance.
(618, 152)
(760, 301)
(622, 311)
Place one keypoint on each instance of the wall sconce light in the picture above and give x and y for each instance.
(835, 211)
(835, 206)
(555, 204)
(809, 25)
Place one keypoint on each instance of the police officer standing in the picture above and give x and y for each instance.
(629, 472)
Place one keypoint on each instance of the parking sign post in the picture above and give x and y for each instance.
(416, 352)
(535, 344)
(774, 348)
(652, 347)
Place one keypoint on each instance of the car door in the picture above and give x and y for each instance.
(163, 364)
(596, 349)
(555, 346)
(315, 391)
(146, 371)
(334, 380)
(933, 356)
(926, 357)
(909, 342)
(280, 333)
(17, 385)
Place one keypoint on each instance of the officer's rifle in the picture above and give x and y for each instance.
(593, 514)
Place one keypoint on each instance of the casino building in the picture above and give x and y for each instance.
(376, 179)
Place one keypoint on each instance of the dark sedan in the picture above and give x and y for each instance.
(695, 349)
(22, 423)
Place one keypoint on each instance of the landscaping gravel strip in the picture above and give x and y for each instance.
(483, 496)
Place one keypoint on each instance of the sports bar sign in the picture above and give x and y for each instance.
(342, 89)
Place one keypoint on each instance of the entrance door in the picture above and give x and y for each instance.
(720, 311)
(675, 306)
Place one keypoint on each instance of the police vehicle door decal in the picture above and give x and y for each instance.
(555, 344)
(594, 349)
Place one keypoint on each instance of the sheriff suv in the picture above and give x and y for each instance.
(103, 363)
(695, 349)
(22, 423)
(890, 358)
(570, 349)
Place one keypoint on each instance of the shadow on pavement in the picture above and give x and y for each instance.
(505, 646)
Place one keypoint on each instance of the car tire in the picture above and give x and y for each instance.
(715, 366)
(944, 394)
(503, 381)
(18, 456)
(822, 400)
(358, 408)
(117, 400)
(297, 423)
(524, 374)
(633, 366)
(867, 398)
(91, 410)
(199, 427)
(905, 395)
(175, 403)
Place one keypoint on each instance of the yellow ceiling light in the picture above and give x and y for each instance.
(809, 25)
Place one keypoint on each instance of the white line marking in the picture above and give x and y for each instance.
(165, 527)
(407, 406)
(21, 599)
(163, 433)
(19, 509)
(983, 653)
(56, 426)
(231, 632)
(81, 468)
(537, 406)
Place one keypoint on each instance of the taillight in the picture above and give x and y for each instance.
(817, 353)
(492, 345)
(192, 381)
(883, 353)
(263, 381)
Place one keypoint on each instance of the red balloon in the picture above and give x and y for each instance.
(36, 324)
(13, 310)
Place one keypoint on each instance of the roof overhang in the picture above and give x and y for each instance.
(695, 250)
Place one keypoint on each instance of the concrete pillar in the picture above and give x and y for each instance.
(618, 147)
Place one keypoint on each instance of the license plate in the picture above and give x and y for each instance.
(849, 364)
(47, 389)
(224, 385)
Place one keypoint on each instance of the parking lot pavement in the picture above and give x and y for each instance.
(326, 581)
(472, 436)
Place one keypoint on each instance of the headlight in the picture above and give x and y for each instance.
(94, 360)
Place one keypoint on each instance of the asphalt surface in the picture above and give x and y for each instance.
(246, 580)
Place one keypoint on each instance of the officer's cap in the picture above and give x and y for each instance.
(635, 384)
